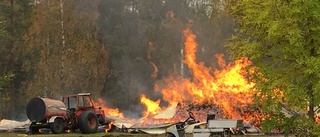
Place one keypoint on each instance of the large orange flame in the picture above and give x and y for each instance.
(152, 106)
(226, 87)
(108, 111)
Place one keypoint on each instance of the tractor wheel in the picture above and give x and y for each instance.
(88, 122)
(33, 129)
(57, 126)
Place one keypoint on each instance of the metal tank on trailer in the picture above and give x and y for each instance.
(42, 109)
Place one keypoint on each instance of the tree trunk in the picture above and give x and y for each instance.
(311, 104)
(12, 62)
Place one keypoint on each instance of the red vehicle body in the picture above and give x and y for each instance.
(75, 111)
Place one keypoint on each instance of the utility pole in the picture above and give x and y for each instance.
(12, 60)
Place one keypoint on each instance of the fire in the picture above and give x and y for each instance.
(108, 111)
(226, 87)
(152, 106)
(109, 126)
(224, 91)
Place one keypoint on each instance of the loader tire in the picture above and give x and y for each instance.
(57, 127)
(88, 122)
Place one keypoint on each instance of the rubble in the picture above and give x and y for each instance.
(168, 117)
(14, 126)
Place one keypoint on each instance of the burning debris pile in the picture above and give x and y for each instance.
(180, 112)
(224, 91)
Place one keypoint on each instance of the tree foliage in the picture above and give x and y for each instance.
(15, 15)
(2, 32)
(4, 95)
(79, 63)
(282, 40)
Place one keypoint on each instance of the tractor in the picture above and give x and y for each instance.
(74, 112)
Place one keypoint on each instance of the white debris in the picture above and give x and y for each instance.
(189, 128)
(167, 113)
(10, 124)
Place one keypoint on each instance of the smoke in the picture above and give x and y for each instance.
(128, 28)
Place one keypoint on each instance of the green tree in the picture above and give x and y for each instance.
(64, 55)
(282, 40)
(16, 15)
(4, 79)
(113, 36)
(4, 94)
(2, 32)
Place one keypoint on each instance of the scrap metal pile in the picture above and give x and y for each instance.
(192, 116)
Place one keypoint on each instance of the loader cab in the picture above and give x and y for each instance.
(84, 101)
(78, 101)
(76, 104)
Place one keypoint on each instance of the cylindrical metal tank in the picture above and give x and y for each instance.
(39, 109)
